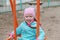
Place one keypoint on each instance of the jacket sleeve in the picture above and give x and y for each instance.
(41, 34)
(19, 29)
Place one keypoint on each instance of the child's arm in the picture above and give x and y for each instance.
(19, 29)
(18, 32)
(42, 34)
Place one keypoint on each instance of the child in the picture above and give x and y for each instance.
(27, 29)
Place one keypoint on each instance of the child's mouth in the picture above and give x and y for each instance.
(29, 20)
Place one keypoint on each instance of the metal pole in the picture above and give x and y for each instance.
(21, 4)
(48, 3)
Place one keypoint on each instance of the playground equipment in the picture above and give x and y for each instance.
(48, 3)
(5, 5)
(13, 7)
(21, 4)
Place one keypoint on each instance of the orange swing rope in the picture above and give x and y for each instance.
(13, 7)
(38, 18)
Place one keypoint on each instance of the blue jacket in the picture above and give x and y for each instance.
(28, 33)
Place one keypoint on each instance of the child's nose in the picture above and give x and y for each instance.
(29, 18)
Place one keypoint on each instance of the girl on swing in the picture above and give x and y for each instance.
(27, 28)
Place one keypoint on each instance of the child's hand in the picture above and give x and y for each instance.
(10, 38)
(11, 35)
(37, 39)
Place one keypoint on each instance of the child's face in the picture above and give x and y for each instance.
(29, 18)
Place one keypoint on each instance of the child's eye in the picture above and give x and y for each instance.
(26, 16)
(30, 16)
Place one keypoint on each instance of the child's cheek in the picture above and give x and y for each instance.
(32, 19)
(25, 18)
